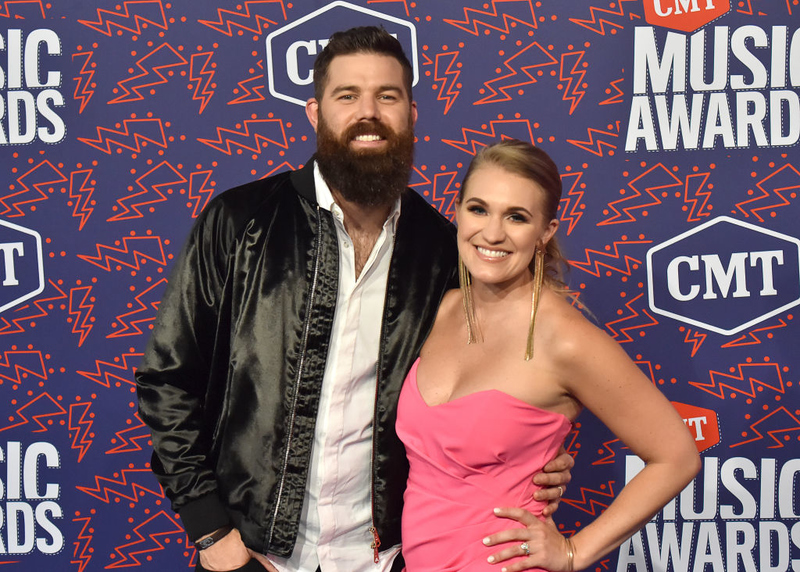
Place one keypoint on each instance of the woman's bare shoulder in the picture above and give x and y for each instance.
(569, 332)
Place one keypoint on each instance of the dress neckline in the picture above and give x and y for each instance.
(467, 397)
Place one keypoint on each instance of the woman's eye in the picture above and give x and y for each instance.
(476, 209)
(518, 218)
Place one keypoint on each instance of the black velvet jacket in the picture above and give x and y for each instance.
(230, 381)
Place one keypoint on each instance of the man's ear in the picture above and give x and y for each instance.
(413, 112)
(312, 112)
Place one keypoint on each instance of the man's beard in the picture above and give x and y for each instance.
(366, 177)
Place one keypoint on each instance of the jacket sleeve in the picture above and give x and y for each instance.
(174, 377)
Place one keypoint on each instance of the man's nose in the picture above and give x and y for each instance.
(368, 108)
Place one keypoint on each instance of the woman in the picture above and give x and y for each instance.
(492, 397)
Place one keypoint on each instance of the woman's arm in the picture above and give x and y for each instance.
(610, 385)
(594, 369)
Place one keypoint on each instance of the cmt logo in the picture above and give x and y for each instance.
(21, 268)
(684, 15)
(701, 422)
(291, 50)
(725, 275)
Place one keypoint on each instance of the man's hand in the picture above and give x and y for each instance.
(555, 476)
(229, 553)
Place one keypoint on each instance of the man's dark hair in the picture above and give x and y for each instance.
(360, 40)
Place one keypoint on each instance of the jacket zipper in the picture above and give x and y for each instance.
(376, 539)
(298, 377)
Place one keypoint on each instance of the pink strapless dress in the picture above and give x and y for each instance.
(467, 457)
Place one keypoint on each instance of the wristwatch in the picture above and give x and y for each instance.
(213, 538)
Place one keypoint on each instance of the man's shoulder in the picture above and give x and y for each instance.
(247, 200)
(419, 212)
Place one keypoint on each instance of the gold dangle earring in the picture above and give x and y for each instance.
(538, 280)
(465, 284)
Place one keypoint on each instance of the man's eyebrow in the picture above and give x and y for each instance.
(356, 89)
(341, 88)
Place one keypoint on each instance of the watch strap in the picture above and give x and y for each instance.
(213, 538)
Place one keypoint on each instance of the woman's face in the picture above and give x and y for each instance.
(500, 221)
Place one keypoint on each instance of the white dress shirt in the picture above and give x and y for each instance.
(337, 510)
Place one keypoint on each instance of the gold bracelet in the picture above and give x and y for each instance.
(570, 555)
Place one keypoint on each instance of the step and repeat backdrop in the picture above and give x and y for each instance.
(675, 124)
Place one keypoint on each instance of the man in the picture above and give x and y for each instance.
(291, 318)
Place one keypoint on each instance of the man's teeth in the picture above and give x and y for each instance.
(492, 253)
(368, 138)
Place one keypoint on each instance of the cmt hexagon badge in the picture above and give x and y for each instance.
(21, 266)
(725, 275)
(684, 15)
(291, 50)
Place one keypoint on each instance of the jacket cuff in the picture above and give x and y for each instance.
(204, 516)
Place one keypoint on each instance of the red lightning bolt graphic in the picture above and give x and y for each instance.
(204, 76)
(142, 11)
(83, 557)
(766, 375)
(614, 92)
(474, 140)
(22, 363)
(403, 2)
(596, 259)
(228, 19)
(473, 17)
(81, 423)
(121, 372)
(82, 310)
(444, 192)
(147, 534)
(127, 486)
(142, 131)
(134, 249)
(144, 312)
(43, 305)
(449, 78)
(162, 175)
(695, 338)
(596, 147)
(574, 197)
(655, 178)
(81, 188)
(155, 63)
(130, 438)
(592, 24)
(787, 178)
(610, 455)
(37, 409)
(697, 182)
(574, 90)
(622, 336)
(33, 182)
(251, 93)
(84, 88)
(198, 192)
(591, 499)
(776, 423)
(750, 338)
(5, 8)
(543, 59)
(249, 138)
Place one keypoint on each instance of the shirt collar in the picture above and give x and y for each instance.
(325, 200)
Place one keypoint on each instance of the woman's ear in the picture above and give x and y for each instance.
(550, 231)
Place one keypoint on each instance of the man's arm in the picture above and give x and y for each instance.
(173, 378)
(555, 477)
